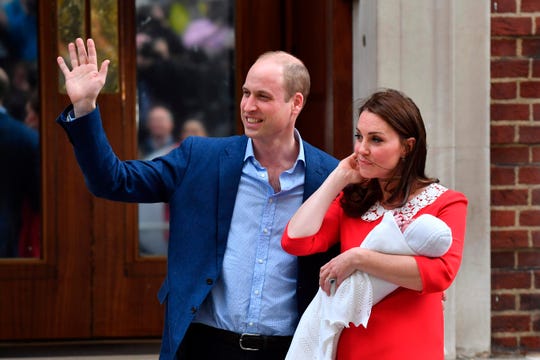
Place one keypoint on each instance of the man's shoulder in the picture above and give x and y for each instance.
(231, 145)
(216, 142)
(313, 153)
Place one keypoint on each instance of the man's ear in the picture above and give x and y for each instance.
(298, 102)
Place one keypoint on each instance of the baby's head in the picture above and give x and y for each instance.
(428, 236)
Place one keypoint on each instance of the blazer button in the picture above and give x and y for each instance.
(209, 281)
(193, 310)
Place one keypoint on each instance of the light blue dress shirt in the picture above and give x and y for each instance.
(265, 301)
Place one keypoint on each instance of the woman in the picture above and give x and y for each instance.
(385, 173)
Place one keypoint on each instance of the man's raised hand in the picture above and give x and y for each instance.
(83, 81)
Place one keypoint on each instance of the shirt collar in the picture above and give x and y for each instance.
(301, 157)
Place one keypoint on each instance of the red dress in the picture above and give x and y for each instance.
(407, 324)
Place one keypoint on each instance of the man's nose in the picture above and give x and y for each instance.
(248, 104)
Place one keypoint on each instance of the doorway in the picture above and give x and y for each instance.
(91, 281)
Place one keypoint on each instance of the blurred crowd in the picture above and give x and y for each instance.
(18, 55)
(185, 79)
(19, 130)
(185, 60)
(185, 87)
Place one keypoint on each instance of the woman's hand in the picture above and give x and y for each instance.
(83, 81)
(401, 270)
(339, 268)
(309, 217)
(348, 169)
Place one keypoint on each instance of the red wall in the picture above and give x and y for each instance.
(515, 176)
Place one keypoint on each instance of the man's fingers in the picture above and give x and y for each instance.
(81, 50)
(62, 65)
(92, 54)
(104, 67)
(73, 55)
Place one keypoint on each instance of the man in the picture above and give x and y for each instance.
(231, 292)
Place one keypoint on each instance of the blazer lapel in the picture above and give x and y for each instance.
(314, 175)
(230, 170)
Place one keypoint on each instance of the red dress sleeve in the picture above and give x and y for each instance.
(321, 241)
(439, 273)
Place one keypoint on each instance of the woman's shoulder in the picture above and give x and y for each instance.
(433, 196)
(450, 194)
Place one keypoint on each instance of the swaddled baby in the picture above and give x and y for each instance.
(317, 334)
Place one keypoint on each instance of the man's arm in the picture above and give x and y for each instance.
(105, 174)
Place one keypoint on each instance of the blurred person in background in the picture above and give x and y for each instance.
(19, 180)
(193, 127)
(32, 112)
(160, 130)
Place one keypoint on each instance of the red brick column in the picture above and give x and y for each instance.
(515, 176)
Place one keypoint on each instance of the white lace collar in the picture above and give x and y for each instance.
(407, 211)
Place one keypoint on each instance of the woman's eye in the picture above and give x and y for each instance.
(357, 136)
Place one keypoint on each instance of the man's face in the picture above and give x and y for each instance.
(266, 113)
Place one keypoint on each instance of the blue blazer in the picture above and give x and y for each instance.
(199, 180)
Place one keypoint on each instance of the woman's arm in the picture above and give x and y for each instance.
(414, 272)
(401, 270)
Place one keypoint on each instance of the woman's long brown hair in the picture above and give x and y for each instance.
(402, 114)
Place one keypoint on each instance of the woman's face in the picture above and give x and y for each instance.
(378, 147)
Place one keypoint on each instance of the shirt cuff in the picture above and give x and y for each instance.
(70, 116)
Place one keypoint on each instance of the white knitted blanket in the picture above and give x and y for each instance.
(320, 326)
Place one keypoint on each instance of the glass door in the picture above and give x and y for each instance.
(185, 87)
